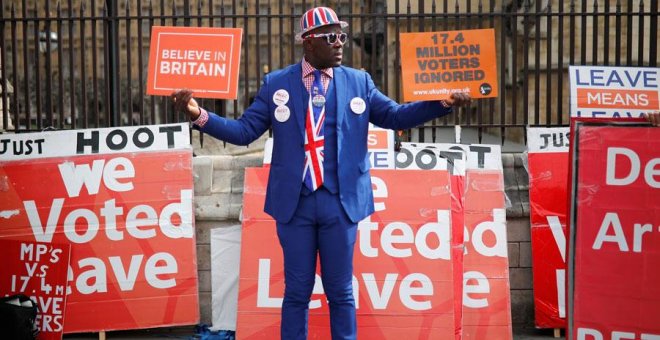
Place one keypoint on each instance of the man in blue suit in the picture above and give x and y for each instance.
(319, 185)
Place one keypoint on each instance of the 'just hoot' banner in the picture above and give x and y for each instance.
(122, 199)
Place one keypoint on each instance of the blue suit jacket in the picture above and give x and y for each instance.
(286, 170)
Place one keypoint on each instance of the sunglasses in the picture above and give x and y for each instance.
(330, 38)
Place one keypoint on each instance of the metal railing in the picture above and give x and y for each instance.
(78, 64)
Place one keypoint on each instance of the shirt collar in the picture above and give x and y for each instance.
(309, 69)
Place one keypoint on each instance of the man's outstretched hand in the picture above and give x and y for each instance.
(459, 99)
(183, 101)
(653, 118)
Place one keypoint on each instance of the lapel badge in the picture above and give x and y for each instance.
(281, 97)
(358, 106)
(318, 100)
(282, 113)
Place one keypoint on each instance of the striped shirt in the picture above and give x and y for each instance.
(308, 76)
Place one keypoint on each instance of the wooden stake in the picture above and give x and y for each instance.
(102, 335)
(557, 332)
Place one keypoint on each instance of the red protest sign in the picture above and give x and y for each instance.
(478, 210)
(127, 215)
(38, 270)
(614, 235)
(486, 294)
(403, 288)
(204, 60)
(436, 64)
(548, 185)
(451, 158)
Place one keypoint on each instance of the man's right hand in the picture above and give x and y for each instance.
(653, 118)
(183, 101)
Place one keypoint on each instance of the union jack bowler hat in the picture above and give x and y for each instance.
(318, 17)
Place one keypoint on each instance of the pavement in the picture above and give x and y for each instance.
(187, 333)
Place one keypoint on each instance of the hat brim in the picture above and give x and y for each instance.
(299, 35)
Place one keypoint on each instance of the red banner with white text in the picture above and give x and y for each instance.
(486, 293)
(548, 185)
(403, 273)
(122, 198)
(451, 158)
(615, 239)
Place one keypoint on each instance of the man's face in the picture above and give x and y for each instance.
(321, 54)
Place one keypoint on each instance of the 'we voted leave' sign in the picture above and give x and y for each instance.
(121, 199)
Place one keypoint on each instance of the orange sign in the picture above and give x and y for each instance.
(202, 59)
(436, 64)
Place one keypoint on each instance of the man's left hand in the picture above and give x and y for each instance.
(459, 99)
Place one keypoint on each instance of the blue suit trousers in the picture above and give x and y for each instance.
(319, 226)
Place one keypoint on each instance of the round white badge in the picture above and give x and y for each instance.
(282, 113)
(281, 97)
(318, 100)
(358, 106)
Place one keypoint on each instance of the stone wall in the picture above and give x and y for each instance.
(218, 199)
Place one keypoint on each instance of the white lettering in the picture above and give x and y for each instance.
(133, 222)
(365, 227)
(381, 299)
(619, 238)
(622, 335)
(650, 170)
(70, 226)
(318, 289)
(388, 239)
(639, 231)
(558, 234)
(75, 176)
(125, 280)
(380, 191)
(481, 286)
(396, 238)
(42, 234)
(152, 270)
(560, 275)
(115, 169)
(583, 332)
(406, 291)
(95, 278)
(97, 275)
(442, 230)
(263, 287)
(498, 228)
(184, 229)
(110, 212)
